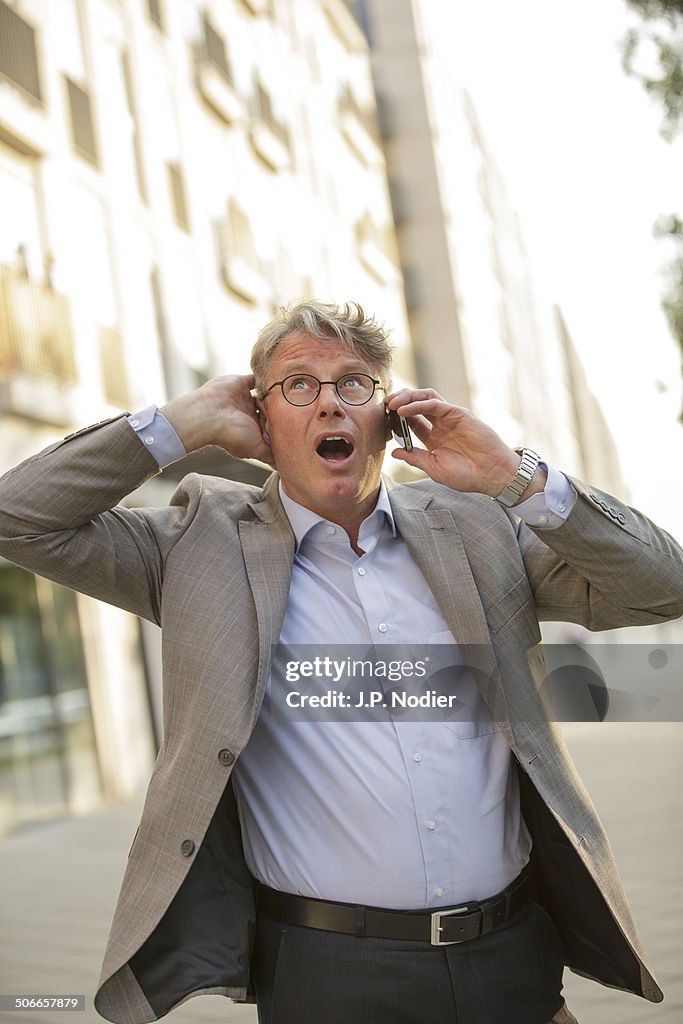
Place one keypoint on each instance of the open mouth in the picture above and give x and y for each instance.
(334, 448)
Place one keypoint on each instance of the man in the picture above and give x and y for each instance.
(391, 860)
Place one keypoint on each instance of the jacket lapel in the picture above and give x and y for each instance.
(268, 550)
(436, 544)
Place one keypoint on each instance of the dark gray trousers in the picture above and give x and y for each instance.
(513, 975)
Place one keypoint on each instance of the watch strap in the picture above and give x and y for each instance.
(522, 478)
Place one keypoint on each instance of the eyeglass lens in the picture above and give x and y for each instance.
(352, 388)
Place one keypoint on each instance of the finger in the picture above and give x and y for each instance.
(430, 407)
(418, 458)
(396, 398)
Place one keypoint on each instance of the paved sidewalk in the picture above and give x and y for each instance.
(58, 883)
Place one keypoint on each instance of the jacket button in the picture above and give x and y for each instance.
(226, 757)
(622, 518)
(187, 847)
(612, 512)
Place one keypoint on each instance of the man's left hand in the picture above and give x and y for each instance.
(460, 450)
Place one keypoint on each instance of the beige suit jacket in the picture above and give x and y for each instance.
(213, 570)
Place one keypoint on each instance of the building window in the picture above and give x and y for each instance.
(359, 9)
(239, 263)
(18, 54)
(133, 127)
(216, 53)
(154, 10)
(269, 135)
(214, 76)
(376, 248)
(342, 16)
(21, 243)
(178, 201)
(241, 235)
(82, 125)
(48, 762)
(359, 126)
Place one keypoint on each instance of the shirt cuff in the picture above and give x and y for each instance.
(548, 509)
(157, 435)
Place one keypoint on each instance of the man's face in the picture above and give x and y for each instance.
(334, 479)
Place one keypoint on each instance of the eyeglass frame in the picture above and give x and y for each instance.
(354, 405)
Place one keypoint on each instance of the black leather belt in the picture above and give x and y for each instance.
(440, 927)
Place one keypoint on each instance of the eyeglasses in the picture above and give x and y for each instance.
(303, 389)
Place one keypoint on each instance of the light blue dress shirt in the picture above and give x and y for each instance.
(402, 814)
(157, 434)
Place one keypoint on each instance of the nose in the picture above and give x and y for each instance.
(329, 402)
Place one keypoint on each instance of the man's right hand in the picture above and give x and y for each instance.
(223, 412)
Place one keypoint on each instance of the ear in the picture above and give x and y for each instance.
(388, 422)
(263, 419)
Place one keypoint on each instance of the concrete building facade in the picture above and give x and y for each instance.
(170, 173)
(476, 322)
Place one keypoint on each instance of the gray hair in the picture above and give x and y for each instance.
(349, 323)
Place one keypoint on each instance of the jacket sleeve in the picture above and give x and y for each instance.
(606, 566)
(60, 518)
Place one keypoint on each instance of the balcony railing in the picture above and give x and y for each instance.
(36, 338)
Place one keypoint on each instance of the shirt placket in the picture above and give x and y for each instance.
(425, 746)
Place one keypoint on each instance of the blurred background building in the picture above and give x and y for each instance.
(171, 173)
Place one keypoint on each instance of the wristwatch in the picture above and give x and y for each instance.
(522, 478)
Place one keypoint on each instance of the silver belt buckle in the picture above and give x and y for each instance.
(437, 929)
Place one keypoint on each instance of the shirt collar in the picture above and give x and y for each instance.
(302, 519)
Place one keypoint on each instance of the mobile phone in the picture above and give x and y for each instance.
(400, 430)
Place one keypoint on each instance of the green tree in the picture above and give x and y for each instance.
(653, 53)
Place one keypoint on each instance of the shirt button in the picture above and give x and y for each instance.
(149, 440)
(135, 423)
(383, 627)
(331, 530)
(361, 571)
(439, 891)
(543, 519)
(417, 757)
(431, 825)
(562, 507)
